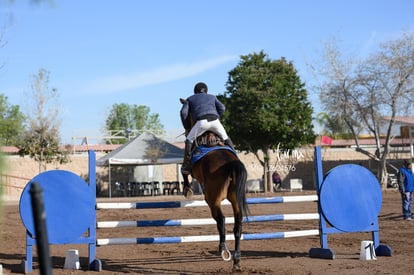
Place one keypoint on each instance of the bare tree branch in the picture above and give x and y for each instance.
(363, 91)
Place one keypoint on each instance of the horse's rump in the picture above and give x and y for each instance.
(219, 166)
(238, 174)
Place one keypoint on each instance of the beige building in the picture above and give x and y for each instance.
(18, 170)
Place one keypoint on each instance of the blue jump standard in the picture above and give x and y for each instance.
(350, 200)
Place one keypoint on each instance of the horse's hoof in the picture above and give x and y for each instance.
(188, 193)
(237, 268)
(226, 255)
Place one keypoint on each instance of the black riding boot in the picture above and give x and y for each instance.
(229, 143)
(186, 167)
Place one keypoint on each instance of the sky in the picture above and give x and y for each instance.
(152, 52)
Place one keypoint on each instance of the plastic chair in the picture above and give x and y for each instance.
(155, 188)
(175, 186)
(119, 189)
(166, 187)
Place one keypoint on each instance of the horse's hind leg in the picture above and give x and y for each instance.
(237, 230)
(218, 216)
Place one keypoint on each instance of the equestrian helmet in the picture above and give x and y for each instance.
(200, 87)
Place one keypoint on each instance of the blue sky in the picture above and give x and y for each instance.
(151, 53)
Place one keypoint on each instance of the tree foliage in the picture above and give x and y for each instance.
(11, 122)
(131, 117)
(362, 91)
(333, 126)
(41, 140)
(266, 107)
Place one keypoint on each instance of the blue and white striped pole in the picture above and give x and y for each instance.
(206, 238)
(206, 221)
(180, 204)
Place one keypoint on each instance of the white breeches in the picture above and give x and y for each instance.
(204, 125)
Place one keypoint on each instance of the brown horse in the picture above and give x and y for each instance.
(222, 176)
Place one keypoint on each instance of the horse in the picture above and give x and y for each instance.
(222, 176)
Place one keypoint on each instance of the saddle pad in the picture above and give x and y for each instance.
(200, 151)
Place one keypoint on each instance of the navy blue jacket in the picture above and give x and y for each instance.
(201, 106)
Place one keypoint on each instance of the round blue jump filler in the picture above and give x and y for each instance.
(351, 198)
(69, 206)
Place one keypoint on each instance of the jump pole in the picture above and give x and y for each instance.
(206, 238)
(198, 203)
(205, 221)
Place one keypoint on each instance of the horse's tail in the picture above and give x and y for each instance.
(239, 175)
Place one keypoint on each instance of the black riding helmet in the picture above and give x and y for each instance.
(200, 87)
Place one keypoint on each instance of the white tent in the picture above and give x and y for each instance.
(145, 149)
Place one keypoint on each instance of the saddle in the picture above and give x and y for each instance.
(207, 142)
(208, 139)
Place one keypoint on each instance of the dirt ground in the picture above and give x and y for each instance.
(276, 256)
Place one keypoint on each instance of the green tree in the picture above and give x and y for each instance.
(266, 108)
(41, 139)
(125, 118)
(11, 122)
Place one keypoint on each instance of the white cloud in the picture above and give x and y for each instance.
(123, 82)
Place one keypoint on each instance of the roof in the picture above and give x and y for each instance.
(10, 150)
(144, 149)
(368, 142)
(404, 120)
(95, 147)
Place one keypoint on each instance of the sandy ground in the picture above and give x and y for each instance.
(278, 256)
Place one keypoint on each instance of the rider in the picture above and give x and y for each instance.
(206, 110)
